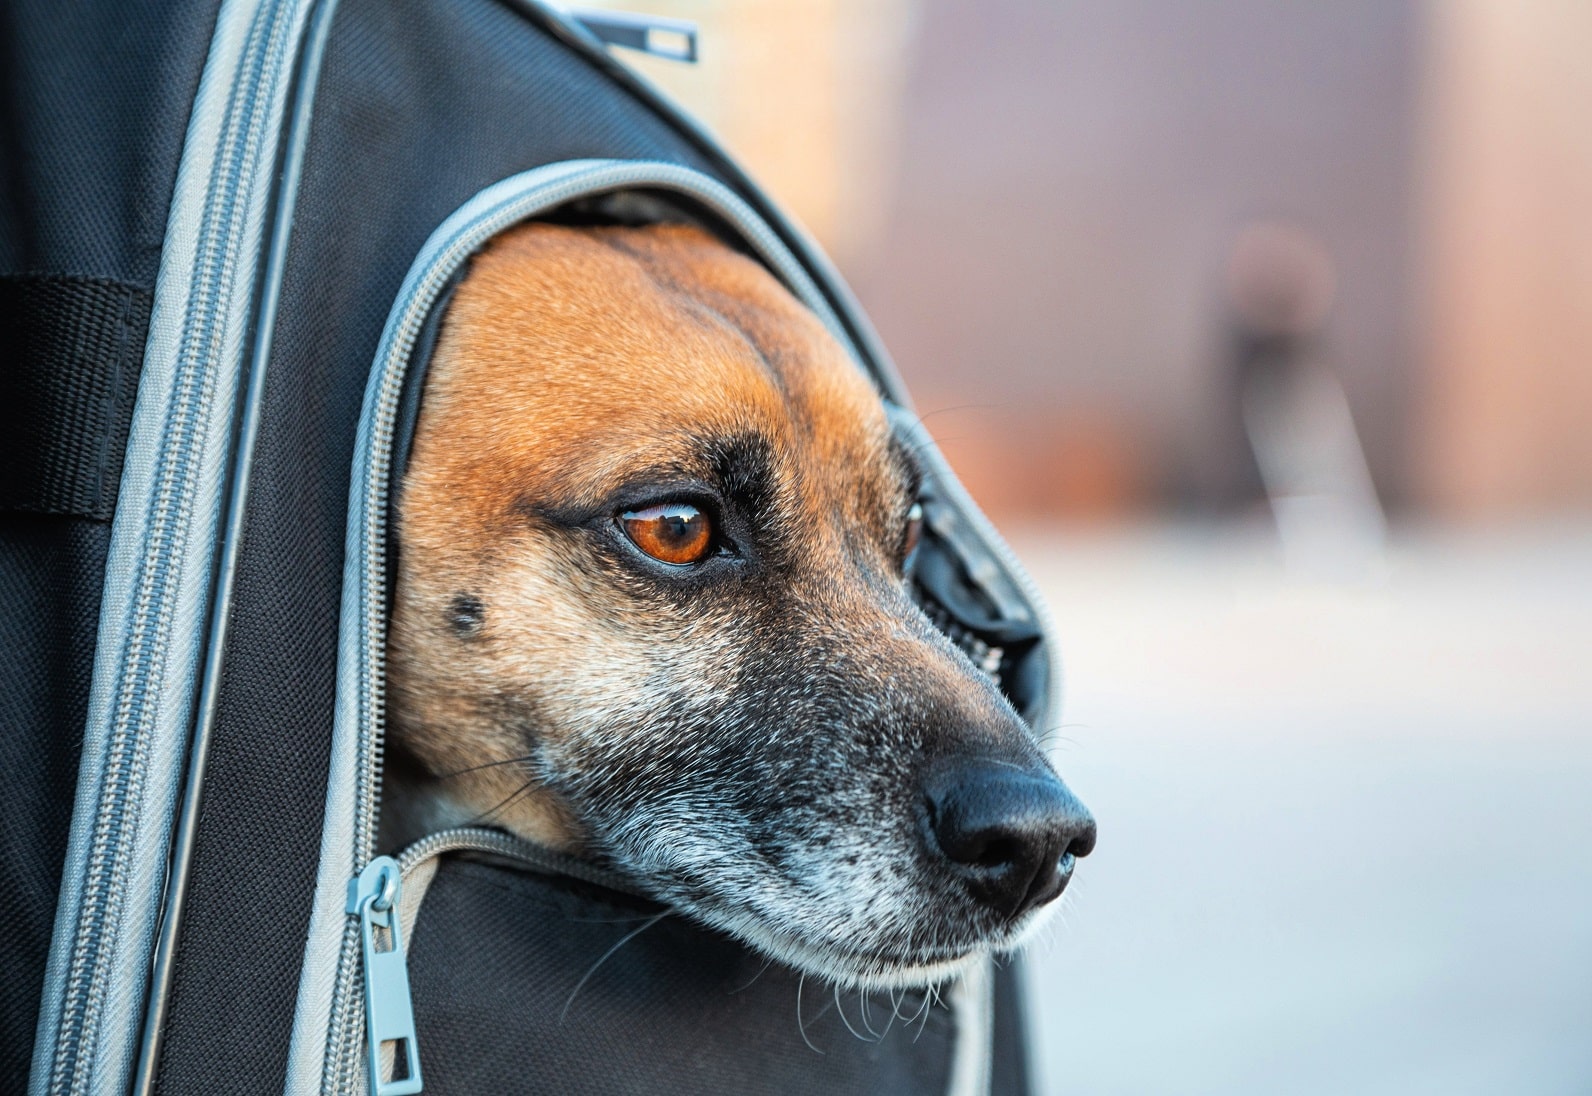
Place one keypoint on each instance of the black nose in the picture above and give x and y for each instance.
(1011, 832)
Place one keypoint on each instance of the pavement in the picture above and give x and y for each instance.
(1344, 825)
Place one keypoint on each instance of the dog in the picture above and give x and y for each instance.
(653, 606)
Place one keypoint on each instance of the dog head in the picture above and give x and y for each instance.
(652, 605)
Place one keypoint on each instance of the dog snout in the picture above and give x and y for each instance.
(1010, 832)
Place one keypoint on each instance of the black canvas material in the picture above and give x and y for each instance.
(527, 984)
(94, 104)
(66, 393)
(51, 572)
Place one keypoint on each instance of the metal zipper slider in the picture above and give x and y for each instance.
(389, 1017)
(673, 39)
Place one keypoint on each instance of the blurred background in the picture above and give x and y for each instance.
(1264, 330)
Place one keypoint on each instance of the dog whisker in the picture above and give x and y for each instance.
(622, 941)
(486, 814)
(890, 1020)
(923, 419)
(1051, 741)
(821, 1013)
(896, 998)
(839, 1008)
(933, 443)
(610, 920)
(922, 1014)
(768, 962)
(485, 765)
(800, 1024)
(862, 1009)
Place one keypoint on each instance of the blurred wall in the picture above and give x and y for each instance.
(1506, 423)
(1073, 176)
(1036, 200)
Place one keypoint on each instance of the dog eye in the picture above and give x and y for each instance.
(914, 532)
(671, 532)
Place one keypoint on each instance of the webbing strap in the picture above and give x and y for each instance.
(70, 350)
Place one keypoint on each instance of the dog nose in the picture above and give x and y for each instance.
(1011, 833)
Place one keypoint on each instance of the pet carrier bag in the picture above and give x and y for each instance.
(226, 230)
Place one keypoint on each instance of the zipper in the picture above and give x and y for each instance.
(373, 899)
(990, 563)
(221, 269)
(389, 1017)
(506, 846)
(449, 247)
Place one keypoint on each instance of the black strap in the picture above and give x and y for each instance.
(72, 347)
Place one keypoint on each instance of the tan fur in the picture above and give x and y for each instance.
(568, 359)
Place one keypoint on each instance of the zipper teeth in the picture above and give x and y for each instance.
(1019, 576)
(595, 178)
(149, 632)
(986, 657)
(498, 843)
(464, 838)
(345, 1019)
(999, 557)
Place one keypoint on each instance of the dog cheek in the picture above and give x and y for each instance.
(642, 723)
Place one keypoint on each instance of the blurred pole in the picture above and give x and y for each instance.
(1281, 283)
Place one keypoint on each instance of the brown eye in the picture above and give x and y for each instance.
(671, 532)
(914, 531)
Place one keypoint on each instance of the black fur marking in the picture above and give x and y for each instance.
(911, 467)
(465, 615)
(744, 466)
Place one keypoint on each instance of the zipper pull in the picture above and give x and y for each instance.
(672, 39)
(389, 1017)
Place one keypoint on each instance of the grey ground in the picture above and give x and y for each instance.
(1344, 827)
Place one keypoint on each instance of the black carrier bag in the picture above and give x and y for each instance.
(226, 230)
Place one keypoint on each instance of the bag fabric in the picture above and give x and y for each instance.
(209, 208)
(616, 998)
(510, 945)
(96, 99)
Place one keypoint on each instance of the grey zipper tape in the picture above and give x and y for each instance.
(971, 997)
(155, 613)
(328, 1025)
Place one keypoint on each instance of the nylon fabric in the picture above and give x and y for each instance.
(50, 574)
(1009, 1072)
(66, 391)
(533, 985)
(96, 96)
(94, 104)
